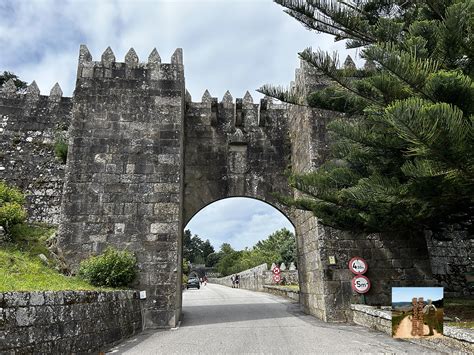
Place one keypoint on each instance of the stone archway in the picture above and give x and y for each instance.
(231, 150)
(143, 158)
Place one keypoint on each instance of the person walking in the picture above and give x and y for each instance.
(232, 279)
(430, 316)
(237, 281)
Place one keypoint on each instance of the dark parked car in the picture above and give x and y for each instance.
(193, 282)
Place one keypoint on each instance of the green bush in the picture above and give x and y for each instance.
(60, 149)
(11, 206)
(113, 268)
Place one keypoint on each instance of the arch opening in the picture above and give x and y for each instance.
(238, 237)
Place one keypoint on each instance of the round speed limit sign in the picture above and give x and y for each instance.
(358, 265)
(360, 284)
(276, 278)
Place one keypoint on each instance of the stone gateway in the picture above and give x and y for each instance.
(144, 157)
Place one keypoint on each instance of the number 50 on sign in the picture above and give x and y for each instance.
(360, 284)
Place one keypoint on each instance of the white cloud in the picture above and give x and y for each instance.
(238, 221)
(235, 45)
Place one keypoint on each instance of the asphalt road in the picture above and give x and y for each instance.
(222, 320)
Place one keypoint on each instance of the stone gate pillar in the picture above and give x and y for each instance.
(123, 185)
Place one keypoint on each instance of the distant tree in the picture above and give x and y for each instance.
(20, 84)
(226, 248)
(229, 260)
(206, 249)
(282, 243)
(187, 245)
(212, 259)
(195, 249)
(278, 247)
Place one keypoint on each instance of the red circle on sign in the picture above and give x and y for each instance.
(355, 265)
(360, 284)
(276, 270)
(276, 278)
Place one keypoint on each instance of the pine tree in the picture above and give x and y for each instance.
(402, 152)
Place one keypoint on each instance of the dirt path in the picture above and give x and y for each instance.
(404, 330)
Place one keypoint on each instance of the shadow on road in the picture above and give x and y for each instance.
(232, 313)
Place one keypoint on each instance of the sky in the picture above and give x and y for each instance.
(235, 45)
(239, 221)
(405, 294)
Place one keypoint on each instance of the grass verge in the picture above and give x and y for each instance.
(21, 268)
(20, 271)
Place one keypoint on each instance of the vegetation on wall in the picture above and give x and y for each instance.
(24, 271)
(60, 149)
(20, 84)
(113, 268)
(402, 154)
(26, 264)
(12, 211)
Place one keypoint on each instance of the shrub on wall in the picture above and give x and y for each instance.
(11, 206)
(60, 149)
(113, 268)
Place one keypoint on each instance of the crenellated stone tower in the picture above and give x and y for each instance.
(124, 184)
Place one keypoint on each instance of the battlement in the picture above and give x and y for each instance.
(242, 112)
(32, 94)
(131, 68)
(308, 79)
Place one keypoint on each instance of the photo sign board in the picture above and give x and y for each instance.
(360, 284)
(358, 265)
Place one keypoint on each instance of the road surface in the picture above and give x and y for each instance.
(223, 320)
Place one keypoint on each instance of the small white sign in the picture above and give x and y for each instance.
(142, 295)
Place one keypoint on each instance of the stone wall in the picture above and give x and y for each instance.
(394, 260)
(66, 321)
(283, 292)
(124, 172)
(30, 124)
(371, 317)
(451, 259)
(255, 278)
